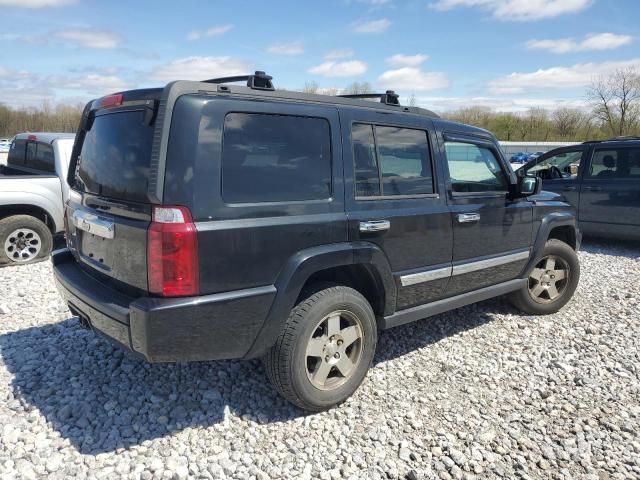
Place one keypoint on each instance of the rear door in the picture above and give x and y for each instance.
(393, 200)
(109, 210)
(610, 196)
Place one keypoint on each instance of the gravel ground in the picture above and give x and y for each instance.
(482, 392)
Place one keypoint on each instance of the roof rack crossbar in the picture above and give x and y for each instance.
(258, 81)
(389, 97)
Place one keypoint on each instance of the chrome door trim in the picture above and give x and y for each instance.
(428, 276)
(88, 222)
(490, 262)
(446, 272)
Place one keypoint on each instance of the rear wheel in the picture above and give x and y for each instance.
(551, 282)
(324, 350)
(23, 239)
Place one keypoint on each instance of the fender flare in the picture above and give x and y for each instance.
(305, 263)
(547, 224)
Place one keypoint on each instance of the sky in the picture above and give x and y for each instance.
(510, 55)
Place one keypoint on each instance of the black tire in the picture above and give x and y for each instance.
(10, 225)
(527, 298)
(288, 365)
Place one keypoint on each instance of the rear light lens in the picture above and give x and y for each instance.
(172, 253)
(111, 101)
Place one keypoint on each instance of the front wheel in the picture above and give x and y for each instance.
(325, 349)
(552, 281)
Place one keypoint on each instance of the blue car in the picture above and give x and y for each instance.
(520, 157)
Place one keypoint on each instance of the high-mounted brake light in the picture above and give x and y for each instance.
(111, 101)
(172, 253)
(32, 138)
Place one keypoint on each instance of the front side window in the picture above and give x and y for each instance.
(615, 163)
(474, 169)
(275, 158)
(391, 161)
(564, 165)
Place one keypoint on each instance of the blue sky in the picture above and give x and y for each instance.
(507, 54)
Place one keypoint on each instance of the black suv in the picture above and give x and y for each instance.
(212, 221)
(601, 179)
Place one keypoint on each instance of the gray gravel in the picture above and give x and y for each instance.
(481, 392)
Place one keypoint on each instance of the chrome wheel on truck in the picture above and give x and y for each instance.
(549, 279)
(22, 245)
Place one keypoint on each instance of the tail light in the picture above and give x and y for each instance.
(172, 253)
(66, 224)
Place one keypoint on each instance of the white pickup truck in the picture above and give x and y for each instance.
(33, 189)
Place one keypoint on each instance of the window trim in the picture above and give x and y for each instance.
(480, 143)
(434, 182)
(587, 171)
(329, 199)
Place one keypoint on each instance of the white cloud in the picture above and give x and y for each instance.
(374, 3)
(35, 3)
(90, 38)
(349, 68)
(518, 10)
(594, 41)
(209, 32)
(576, 76)
(501, 104)
(337, 54)
(400, 60)
(91, 83)
(199, 68)
(413, 79)
(290, 48)
(373, 26)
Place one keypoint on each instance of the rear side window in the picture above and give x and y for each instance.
(40, 156)
(615, 163)
(115, 157)
(17, 153)
(474, 168)
(275, 158)
(391, 161)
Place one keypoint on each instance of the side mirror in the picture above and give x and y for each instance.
(528, 186)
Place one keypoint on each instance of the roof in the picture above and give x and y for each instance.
(46, 137)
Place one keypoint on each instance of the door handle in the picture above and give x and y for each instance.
(375, 226)
(468, 217)
(569, 189)
(593, 189)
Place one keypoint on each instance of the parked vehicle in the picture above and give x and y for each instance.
(534, 155)
(5, 143)
(213, 221)
(601, 179)
(520, 157)
(33, 188)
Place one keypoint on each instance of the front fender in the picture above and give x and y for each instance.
(547, 224)
(305, 263)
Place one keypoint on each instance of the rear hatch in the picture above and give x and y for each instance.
(109, 210)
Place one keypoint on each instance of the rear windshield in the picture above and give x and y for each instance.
(115, 157)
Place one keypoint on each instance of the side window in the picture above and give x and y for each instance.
(474, 168)
(390, 161)
(40, 157)
(275, 158)
(564, 165)
(17, 153)
(615, 163)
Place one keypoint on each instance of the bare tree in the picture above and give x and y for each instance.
(357, 88)
(616, 100)
(310, 87)
(567, 121)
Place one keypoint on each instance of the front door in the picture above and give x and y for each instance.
(491, 232)
(610, 195)
(560, 171)
(393, 199)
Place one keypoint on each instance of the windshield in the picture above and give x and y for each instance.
(115, 157)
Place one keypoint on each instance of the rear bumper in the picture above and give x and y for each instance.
(208, 327)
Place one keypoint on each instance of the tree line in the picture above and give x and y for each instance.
(613, 110)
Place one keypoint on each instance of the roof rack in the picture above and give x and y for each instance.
(258, 81)
(388, 98)
(624, 138)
